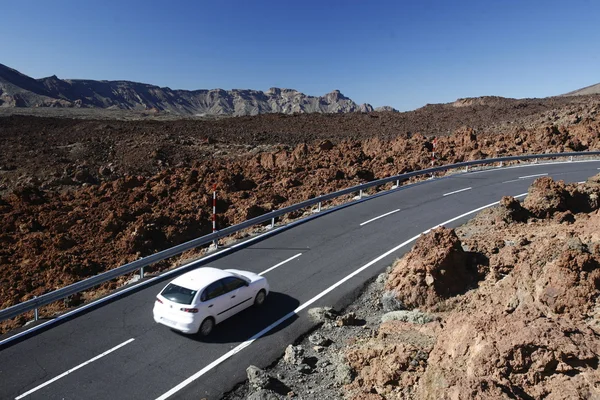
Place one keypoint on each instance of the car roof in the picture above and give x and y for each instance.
(200, 278)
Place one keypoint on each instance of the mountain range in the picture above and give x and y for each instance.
(20, 90)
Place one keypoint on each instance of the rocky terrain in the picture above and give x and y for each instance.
(19, 90)
(82, 196)
(472, 313)
(70, 187)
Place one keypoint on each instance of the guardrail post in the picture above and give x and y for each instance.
(36, 314)
(467, 168)
(142, 273)
(501, 163)
(272, 222)
(398, 183)
(319, 207)
(571, 158)
(360, 194)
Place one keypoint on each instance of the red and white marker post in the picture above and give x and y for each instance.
(214, 215)
(433, 155)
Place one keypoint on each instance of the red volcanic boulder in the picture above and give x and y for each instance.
(435, 269)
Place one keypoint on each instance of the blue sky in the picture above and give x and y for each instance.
(400, 53)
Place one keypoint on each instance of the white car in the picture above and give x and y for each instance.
(198, 300)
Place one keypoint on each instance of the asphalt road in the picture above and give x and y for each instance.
(116, 351)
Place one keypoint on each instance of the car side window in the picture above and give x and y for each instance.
(232, 283)
(213, 290)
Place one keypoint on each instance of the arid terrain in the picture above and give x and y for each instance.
(81, 196)
(471, 313)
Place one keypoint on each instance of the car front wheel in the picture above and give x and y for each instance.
(207, 326)
(260, 298)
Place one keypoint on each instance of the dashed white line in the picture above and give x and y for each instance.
(73, 369)
(532, 176)
(280, 264)
(457, 191)
(248, 342)
(513, 180)
(381, 216)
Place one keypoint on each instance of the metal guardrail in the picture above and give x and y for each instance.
(59, 294)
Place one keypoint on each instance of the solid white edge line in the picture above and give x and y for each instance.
(381, 216)
(280, 264)
(457, 191)
(74, 369)
(529, 165)
(248, 342)
(533, 176)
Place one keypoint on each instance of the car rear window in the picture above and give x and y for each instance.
(178, 294)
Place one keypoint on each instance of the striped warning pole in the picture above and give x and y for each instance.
(433, 155)
(214, 215)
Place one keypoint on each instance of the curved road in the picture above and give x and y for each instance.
(117, 351)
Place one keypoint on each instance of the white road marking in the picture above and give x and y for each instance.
(581, 182)
(513, 180)
(248, 342)
(381, 216)
(494, 169)
(74, 369)
(280, 264)
(457, 191)
(532, 176)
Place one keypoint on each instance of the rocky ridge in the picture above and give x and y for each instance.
(19, 90)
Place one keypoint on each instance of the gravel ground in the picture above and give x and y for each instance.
(312, 368)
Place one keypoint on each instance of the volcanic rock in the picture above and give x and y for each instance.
(437, 268)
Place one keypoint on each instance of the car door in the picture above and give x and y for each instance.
(238, 293)
(215, 301)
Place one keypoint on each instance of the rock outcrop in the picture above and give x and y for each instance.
(530, 328)
(437, 268)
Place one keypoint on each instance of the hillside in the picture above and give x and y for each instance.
(593, 89)
(21, 91)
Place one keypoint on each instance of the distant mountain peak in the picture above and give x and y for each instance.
(19, 90)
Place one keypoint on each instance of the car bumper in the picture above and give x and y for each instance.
(184, 327)
(187, 325)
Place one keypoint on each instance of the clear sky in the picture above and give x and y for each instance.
(400, 53)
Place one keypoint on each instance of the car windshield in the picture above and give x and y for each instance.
(178, 294)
